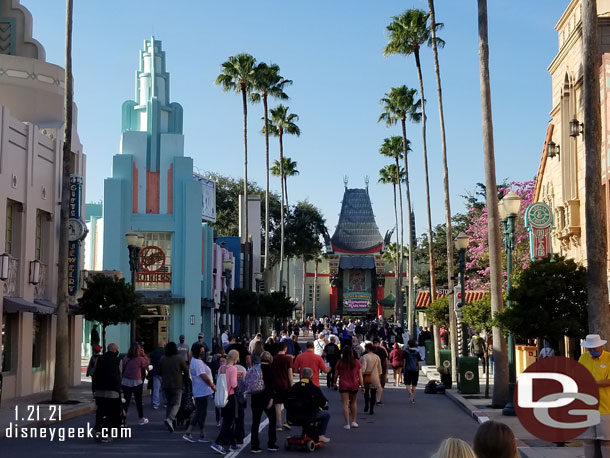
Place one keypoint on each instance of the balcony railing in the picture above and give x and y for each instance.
(10, 285)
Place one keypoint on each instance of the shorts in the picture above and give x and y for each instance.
(599, 432)
(396, 367)
(280, 396)
(411, 378)
(348, 391)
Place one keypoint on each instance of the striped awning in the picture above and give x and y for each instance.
(423, 298)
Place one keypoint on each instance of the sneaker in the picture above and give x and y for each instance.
(169, 424)
(188, 437)
(273, 448)
(278, 428)
(106, 439)
(218, 449)
(379, 403)
(143, 421)
(287, 426)
(204, 440)
(234, 448)
(255, 450)
(347, 427)
(324, 439)
(354, 424)
(218, 423)
(155, 407)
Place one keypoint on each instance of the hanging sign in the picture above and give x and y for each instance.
(76, 185)
(539, 222)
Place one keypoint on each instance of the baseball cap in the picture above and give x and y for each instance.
(97, 348)
(200, 335)
(181, 336)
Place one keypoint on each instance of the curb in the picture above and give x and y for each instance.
(77, 412)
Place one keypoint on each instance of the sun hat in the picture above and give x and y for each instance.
(593, 341)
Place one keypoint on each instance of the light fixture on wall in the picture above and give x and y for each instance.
(192, 319)
(35, 272)
(4, 266)
(553, 149)
(576, 128)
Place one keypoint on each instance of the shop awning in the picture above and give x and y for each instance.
(357, 262)
(388, 300)
(19, 305)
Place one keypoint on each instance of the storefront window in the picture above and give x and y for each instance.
(37, 340)
(155, 262)
(7, 343)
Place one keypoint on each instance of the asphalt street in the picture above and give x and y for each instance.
(397, 427)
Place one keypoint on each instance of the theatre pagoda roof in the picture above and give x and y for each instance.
(357, 231)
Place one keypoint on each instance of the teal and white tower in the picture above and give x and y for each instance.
(152, 192)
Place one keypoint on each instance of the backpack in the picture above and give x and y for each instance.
(430, 387)
(254, 382)
(221, 396)
(411, 360)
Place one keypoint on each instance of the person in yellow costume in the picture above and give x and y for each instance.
(597, 361)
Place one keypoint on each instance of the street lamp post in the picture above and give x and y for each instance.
(461, 243)
(508, 209)
(227, 265)
(135, 242)
(414, 295)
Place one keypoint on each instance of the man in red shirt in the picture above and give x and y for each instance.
(309, 359)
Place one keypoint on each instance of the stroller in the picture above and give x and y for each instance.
(299, 412)
(186, 405)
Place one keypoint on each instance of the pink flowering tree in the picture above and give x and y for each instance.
(477, 256)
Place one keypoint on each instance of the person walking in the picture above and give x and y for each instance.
(205, 350)
(288, 341)
(173, 370)
(203, 387)
(106, 383)
(281, 368)
(332, 355)
(158, 396)
(91, 366)
(371, 371)
(256, 352)
(311, 360)
(94, 338)
(383, 357)
(547, 351)
(183, 349)
(477, 348)
(597, 361)
(226, 436)
(319, 345)
(349, 372)
(133, 368)
(412, 365)
(295, 345)
(263, 402)
(397, 362)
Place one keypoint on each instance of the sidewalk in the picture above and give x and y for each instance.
(479, 408)
(81, 396)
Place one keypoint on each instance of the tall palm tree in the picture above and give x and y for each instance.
(449, 231)
(393, 148)
(394, 174)
(595, 230)
(238, 75)
(62, 371)
(290, 170)
(407, 34)
(500, 394)
(268, 82)
(282, 122)
(400, 105)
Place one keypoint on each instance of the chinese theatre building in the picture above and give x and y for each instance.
(153, 192)
(356, 268)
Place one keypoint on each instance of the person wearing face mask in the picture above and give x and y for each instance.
(597, 361)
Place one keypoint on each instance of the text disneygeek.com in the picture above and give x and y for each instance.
(60, 434)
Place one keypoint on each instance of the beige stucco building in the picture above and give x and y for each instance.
(31, 128)
(561, 175)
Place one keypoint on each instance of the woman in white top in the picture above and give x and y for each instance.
(203, 387)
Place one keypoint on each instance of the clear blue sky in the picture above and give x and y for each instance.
(332, 50)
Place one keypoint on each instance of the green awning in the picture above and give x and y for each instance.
(388, 300)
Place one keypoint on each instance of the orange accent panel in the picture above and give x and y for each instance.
(152, 192)
(134, 188)
(170, 189)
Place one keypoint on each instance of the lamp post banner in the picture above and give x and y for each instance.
(539, 222)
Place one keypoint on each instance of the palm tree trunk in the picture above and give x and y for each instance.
(500, 393)
(281, 211)
(286, 191)
(245, 209)
(304, 285)
(62, 363)
(425, 149)
(266, 262)
(595, 215)
(409, 226)
(397, 302)
(448, 228)
(315, 291)
(401, 253)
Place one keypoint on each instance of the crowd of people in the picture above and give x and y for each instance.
(356, 357)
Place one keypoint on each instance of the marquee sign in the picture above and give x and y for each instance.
(356, 302)
(539, 222)
(153, 269)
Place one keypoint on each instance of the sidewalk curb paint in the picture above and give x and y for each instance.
(66, 415)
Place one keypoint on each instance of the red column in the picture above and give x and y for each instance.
(334, 299)
(380, 295)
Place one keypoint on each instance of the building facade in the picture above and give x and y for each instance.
(560, 181)
(31, 129)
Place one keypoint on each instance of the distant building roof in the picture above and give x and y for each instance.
(357, 231)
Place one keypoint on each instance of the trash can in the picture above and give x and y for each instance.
(468, 374)
(429, 345)
(446, 359)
